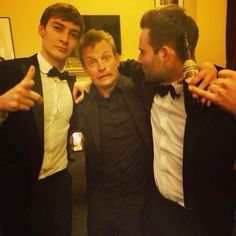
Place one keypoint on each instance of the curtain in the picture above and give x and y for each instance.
(231, 35)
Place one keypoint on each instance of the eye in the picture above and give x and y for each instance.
(58, 28)
(74, 35)
(91, 63)
(106, 58)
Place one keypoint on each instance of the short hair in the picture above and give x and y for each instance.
(93, 37)
(64, 11)
(168, 26)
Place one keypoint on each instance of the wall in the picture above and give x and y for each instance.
(211, 19)
(25, 17)
(26, 14)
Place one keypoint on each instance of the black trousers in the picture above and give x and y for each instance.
(13, 200)
(50, 208)
(115, 216)
(166, 218)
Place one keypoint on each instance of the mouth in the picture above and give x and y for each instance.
(103, 76)
(62, 49)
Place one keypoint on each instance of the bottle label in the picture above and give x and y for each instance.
(190, 69)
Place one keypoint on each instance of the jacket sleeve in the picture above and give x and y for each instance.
(133, 70)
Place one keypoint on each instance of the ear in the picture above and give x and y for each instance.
(41, 30)
(117, 56)
(166, 53)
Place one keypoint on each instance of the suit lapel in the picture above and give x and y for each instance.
(38, 110)
(192, 106)
(137, 109)
(91, 115)
(148, 94)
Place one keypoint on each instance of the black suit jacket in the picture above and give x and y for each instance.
(21, 137)
(88, 123)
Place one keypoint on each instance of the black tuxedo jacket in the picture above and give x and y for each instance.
(208, 158)
(88, 123)
(21, 135)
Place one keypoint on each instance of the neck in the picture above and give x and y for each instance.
(105, 92)
(59, 65)
(176, 74)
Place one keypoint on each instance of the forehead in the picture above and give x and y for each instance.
(65, 23)
(98, 48)
(144, 37)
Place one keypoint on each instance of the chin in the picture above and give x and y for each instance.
(62, 56)
(156, 78)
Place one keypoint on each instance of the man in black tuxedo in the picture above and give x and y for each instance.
(36, 187)
(194, 145)
(118, 147)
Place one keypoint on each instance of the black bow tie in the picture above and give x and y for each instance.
(61, 75)
(163, 90)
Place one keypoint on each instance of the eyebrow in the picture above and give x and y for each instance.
(107, 51)
(62, 25)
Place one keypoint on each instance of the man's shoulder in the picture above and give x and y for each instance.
(18, 62)
(13, 71)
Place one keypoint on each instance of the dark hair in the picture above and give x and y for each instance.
(167, 26)
(92, 37)
(64, 11)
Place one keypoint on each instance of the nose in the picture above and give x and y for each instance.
(65, 37)
(101, 65)
(139, 58)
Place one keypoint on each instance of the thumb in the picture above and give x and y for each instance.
(28, 80)
(80, 98)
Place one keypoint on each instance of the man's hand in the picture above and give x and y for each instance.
(222, 91)
(21, 97)
(79, 88)
(207, 74)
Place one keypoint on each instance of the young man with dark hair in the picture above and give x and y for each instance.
(194, 145)
(36, 186)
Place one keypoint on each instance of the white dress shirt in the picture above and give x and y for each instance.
(168, 118)
(58, 107)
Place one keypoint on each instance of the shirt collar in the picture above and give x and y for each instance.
(119, 85)
(44, 65)
(179, 87)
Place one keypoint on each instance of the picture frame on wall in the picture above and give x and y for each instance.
(6, 40)
(73, 66)
(158, 3)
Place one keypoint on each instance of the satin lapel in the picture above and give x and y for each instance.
(71, 82)
(148, 93)
(91, 115)
(140, 116)
(192, 106)
(38, 110)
